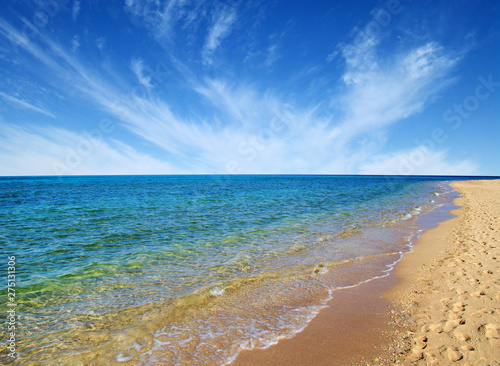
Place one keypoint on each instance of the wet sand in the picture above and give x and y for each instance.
(355, 327)
(440, 306)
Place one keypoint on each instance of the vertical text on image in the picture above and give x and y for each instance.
(11, 305)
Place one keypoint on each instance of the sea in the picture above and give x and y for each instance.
(191, 270)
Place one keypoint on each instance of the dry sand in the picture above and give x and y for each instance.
(445, 308)
(451, 285)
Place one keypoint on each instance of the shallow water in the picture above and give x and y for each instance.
(192, 269)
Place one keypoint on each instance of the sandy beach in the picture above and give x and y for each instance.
(440, 306)
(450, 284)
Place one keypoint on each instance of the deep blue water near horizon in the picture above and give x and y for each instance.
(95, 253)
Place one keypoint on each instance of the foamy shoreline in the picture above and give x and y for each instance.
(447, 285)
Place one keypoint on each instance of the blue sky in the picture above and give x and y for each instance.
(228, 87)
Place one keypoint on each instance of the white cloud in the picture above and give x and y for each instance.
(360, 58)
(382, 92)
(418, 161)
(162, 18)
(262, 133)
(237, 103)
(220, 29)
(138, 69)
(24, 104)
(76, 10)
(32, 150)
(272, 55)
(150, 119)
(19, 39)
(251, 130)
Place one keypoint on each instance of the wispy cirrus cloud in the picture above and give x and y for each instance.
(382, 91)
(57, 151)
(272, 55)
(417, 161)
(175, 23)
(189, 143)
(164, 18)
(75, 11)
(20, 40)
(137, 67)
(20, 103)
(250, 129)
(378, 92)
(223, 21)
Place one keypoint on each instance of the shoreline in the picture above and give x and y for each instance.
(347, 294)
(351, 330)
(367, 324)
(450, 284)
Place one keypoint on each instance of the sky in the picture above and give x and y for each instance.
(398, 87)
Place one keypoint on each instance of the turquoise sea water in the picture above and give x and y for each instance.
(192, 269)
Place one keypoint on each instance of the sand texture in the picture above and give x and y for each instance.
(450, 290)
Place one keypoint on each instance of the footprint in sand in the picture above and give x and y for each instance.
(458, 307)
(481, 312)
(477, 293)
(419, 344)
(452, 324)
(461, 336)
(454, 354)
(491, 331)
(437, 327)
(453, 316)
(467, 348)
(431, 359)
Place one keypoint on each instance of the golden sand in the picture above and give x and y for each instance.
(451, 285)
